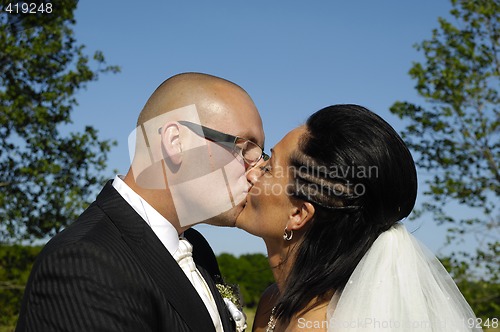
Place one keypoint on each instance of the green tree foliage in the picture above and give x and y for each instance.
(47, 173)
(251, 272)
(15, 266)
(456, 137)
(482, 295)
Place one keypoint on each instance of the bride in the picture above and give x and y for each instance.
(329, 205)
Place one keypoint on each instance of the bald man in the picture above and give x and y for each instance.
(121, 265)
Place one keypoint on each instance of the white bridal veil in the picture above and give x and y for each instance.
(399, 285)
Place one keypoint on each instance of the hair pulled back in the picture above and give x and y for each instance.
(361, 178)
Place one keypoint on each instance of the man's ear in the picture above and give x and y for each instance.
(300, 215)
(171, 142)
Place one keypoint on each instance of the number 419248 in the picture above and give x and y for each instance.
(28, 8)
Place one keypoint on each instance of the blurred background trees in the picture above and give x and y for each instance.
(456, 136)
(251, 272)
(47, 172)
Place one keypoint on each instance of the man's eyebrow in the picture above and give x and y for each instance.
(254, 139)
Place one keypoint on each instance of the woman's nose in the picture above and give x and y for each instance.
(254, 173)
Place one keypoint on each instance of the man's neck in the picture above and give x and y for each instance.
(159, 199)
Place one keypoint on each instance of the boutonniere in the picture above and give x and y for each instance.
(232, 298)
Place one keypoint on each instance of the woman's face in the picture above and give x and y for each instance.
(268, 205)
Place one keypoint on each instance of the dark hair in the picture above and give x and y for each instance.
(361, 178)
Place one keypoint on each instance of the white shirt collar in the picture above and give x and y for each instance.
(160, 226)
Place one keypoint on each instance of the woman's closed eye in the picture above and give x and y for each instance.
(266, 168)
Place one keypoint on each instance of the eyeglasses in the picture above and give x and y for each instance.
(251, 152)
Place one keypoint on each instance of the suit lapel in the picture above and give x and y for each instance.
(156, 259)
(227, 321)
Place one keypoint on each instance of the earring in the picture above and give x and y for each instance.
(287, 237)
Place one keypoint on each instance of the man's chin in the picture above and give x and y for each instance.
(228, 218)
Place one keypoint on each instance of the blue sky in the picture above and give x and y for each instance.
(292, 57)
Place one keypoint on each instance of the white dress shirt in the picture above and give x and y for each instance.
(160, 226)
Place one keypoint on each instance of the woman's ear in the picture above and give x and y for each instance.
(300, 215)
(171, 142)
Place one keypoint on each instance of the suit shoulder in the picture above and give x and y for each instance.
(92, 227)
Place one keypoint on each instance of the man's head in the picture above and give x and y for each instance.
(178, 168)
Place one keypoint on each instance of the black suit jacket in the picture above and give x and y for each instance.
(109, 272)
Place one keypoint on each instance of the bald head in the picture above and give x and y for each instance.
(210, 95)
(169, 157)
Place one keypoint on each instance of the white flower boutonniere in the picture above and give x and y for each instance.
(232, 298)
